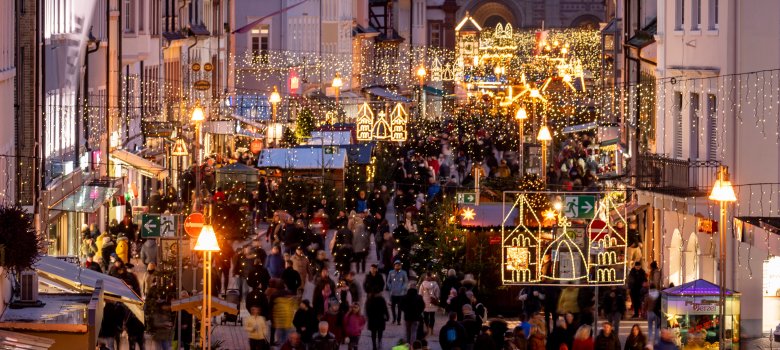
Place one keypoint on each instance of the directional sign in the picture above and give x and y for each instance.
(167, 226)
(582, 207)
(467, 198)
(150, 225)
(193, 224)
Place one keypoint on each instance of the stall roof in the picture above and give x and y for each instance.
(14, 340)
(86, 199)
(359, 154)
(237, 168)
(330, 138)
(698, 287)
(61, 312)
(74, 278)
(387, 94)
(301, 159)
(194, 304)
(145, 166)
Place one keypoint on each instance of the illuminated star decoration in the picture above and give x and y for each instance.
(468, 214)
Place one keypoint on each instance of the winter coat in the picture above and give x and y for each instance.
(301, 264)
(149, 252)
(666, 345)
(376, 310)
(374, 284)
(610, 342)
(256, 327)
(291, 278)
(305, 319)
(397, 282)
(472, 326)
(428, 290)
(335, 324)
(635, 343)
(567, 302)
(451, 282)
(87, 249)
(123, 249)
(556, 338)
(283, 311)
(583, 344)
(412, 305)
(162, 328)
(99, 246)
(353, 324)
(275, 265)
(258, 276)
(361, 239)
(536, 342)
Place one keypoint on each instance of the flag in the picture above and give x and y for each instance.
(541, 39)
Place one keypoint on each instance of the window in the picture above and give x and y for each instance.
(154, 18)
(696, 15)
(435, 34)
(141, 18)
(678, 124)
(693, 141)
(260, 43)
(128, 17)
(714, 13)
(712, 127)
(679, 14)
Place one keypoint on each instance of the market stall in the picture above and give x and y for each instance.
(230, 175)
(691, 310)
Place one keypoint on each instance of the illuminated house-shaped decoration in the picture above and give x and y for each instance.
(568, 262)
(365, 123)
(467, 32)
(520, 246)
(381, 129)
(607, 247)
(398, 118)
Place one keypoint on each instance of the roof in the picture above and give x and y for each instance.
(199, 30)
(63, 312)
(611, 27)
(14, 340)
(698, 287)
(365, 31)
(770, 224)
(194, 304)
(145, 166)
(330, 138)
(76, 279)
(358, 154)
(644, 36)
(86, 199)
(468, 24)
(387, 94)
(301, 159)
(437, 92)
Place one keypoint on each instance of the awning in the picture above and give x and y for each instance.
(643, 37)
(580, 127)
(15, 340)
(248, 121)
(86, 199)
(194, 304)
(74, 278)
(437, 92)
(387, 94)
(145, 166)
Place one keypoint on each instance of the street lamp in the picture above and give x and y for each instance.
(544, 136)
(274, 98)
(337, 84)
(521, 116)
(197, 117)
(723, 193)
(421, 73)
(207, 243)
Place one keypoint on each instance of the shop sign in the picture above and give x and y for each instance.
(157, 129)
(707, 225)
(700, 306)
(256, 146)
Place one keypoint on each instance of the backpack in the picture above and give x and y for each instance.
(484, 314)
(451, 335)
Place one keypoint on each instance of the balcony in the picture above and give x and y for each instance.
(677, 177)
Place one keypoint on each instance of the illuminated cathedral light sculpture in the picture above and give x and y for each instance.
(365, 123)
(398, 120)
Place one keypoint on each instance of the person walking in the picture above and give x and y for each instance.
(452, 335)
(636, 280)
(305, 321)
(615, 305)
(413, 306)
(583, 339)
(537, 339)
(471, 325)
(558, 336)
(636, 340)
(397, 281)
(353, 325)
(323, 339)
(652, 306)
(376, 310)
(607, 338)
(274, 262)
(361, 241)
(257, 329)
(300, 262)
(291, 277)
(374, 282)
(429, 290)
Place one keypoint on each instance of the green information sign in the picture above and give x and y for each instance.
(150, 225)
(580, 207)
(467, 198)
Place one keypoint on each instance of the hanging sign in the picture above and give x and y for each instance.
(201, 85)
(707, 225)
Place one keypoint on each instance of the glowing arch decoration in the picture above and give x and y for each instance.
(381, 129)
(563, 246)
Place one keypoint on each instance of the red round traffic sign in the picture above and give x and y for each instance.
(598, 229)
(193, 224)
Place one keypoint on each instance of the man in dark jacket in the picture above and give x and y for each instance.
(451, 282)
(323, 339)
(412, 305)
(258, 275)
(471, 325)
(374, 282)
(636, 281)
(615, 305)
(452, 335)
(607, 338)
(291, 278)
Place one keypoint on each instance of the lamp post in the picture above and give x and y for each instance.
(207, 243)
(544, 136)
(337, 84)
(723, 193)
(521, 116)
(421, 73)
(274, 98)
(197, 117)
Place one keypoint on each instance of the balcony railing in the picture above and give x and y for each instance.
(675, 176)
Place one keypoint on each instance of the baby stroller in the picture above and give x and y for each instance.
(234, 297)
